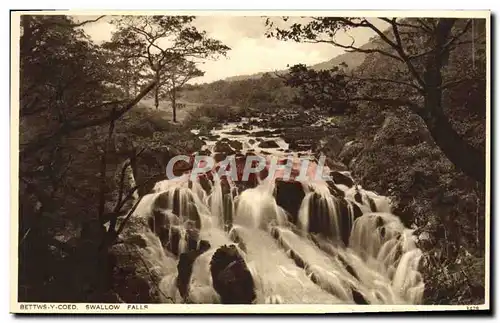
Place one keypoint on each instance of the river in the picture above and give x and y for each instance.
(324, 243)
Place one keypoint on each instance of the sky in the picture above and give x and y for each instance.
(251, 52)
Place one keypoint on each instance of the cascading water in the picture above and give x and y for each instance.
(342, 248)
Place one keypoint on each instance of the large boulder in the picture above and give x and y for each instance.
(342, 178)
(231, 278)
(289, 196)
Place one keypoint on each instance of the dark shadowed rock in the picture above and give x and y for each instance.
(185, 267)
(223, 147)
(174, 241)
(205, 152)
(212, 137)
(236, 145)
(340, 178)
(267, 133)
(231, 278)
(246, 126)
(268, 144)
(289, 195)
(358, 297)
(218, 157)
(335, 191)
(237, 132)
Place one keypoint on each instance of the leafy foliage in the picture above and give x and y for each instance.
(418, 51)
(324, 89)
(79, 123)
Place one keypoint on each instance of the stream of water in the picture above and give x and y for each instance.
(338, 250)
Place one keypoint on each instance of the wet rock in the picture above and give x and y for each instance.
(358, 297)
(205, 182)
(212, 137)
(357, 210)
(205, 152)
(289, 196)
(203, 245)
(246, 126)
(223, 147)
(340, 178)
(268, 144)
(192, 237)
(237, 132)
(185, 267)
(218, 157)
(263, 133)
(231, 278)
(174, 241)
(236, 145)
(335, 191)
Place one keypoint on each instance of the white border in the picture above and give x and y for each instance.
(209, 308)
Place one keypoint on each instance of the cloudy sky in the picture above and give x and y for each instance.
(251, 52)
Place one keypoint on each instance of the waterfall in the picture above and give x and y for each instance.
(342, 246)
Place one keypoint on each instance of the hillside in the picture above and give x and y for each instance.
(353, 60)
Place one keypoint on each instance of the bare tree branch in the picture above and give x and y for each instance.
(378, 79)
(458, 35)
(87, 21)
(350, 48)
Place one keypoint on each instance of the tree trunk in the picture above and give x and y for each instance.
(173, 94)
(174, 118)
(157, 90)
(464, 156)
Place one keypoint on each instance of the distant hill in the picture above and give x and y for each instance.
(352, 60)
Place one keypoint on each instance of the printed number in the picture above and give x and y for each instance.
(472, 307)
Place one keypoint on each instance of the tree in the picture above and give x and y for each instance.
(324, 89)
(73, 92)
(421, 49)
(175, 77)
(121, 53)
(165, 41)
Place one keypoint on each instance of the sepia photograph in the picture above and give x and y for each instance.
(167, 160)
